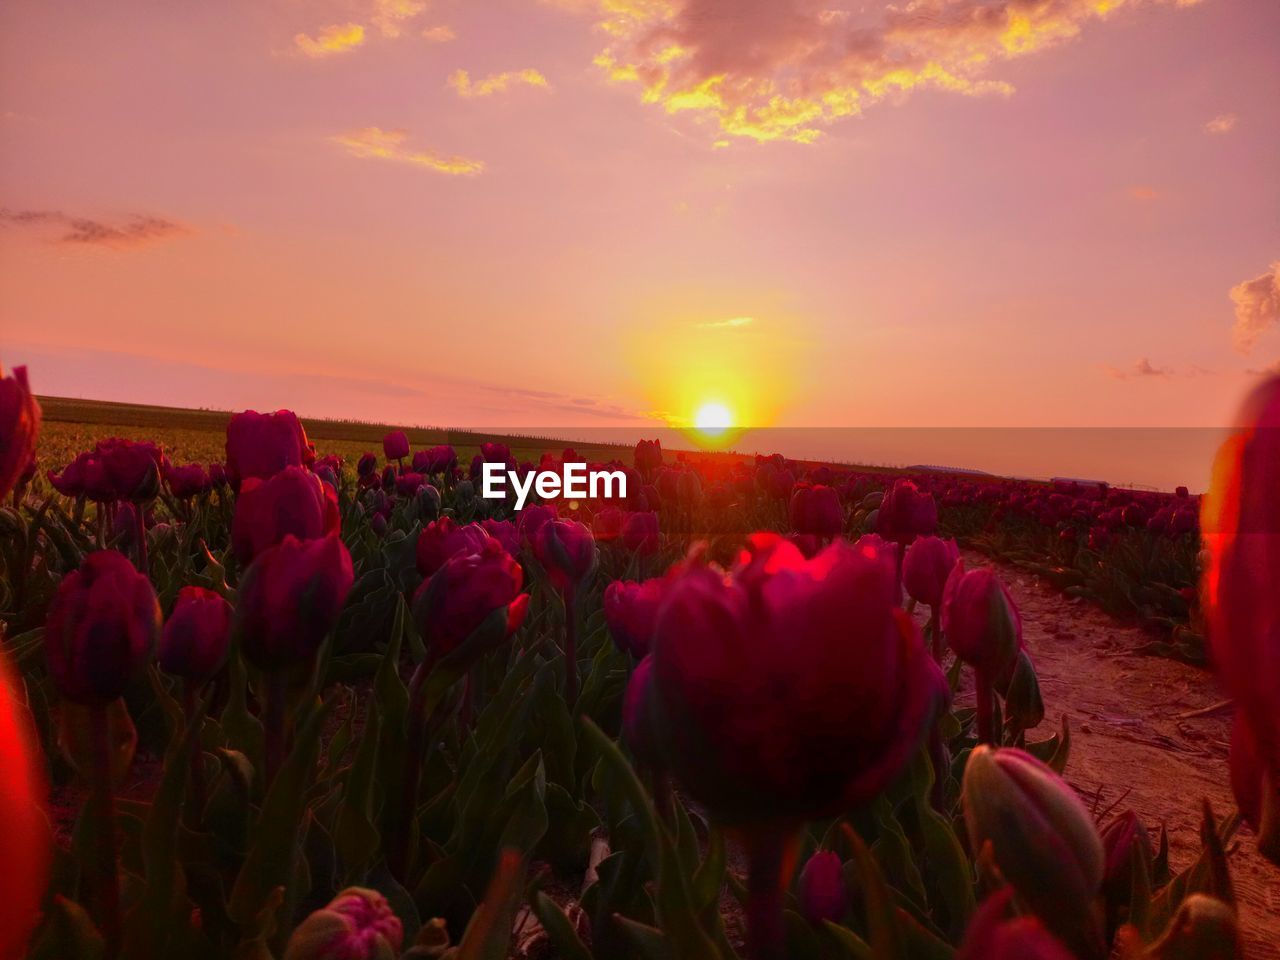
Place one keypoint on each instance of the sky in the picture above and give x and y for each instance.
(575, 213)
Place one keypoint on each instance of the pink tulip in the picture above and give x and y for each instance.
(926, 566)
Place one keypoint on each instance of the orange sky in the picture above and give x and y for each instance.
(557, 213)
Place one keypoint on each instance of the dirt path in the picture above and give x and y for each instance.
(1127, 734)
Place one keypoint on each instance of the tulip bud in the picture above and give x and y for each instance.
(262, 444)
(1129, 854)
(367, 465)
(395, 445)
(293, 502)
(19, 427)
(358, 924)
(186, 481)
(408, 484)
(131, 469)
(197, 635)
(606, 525)
(926, 566)
(1204, 928)
(640, 533)
(567, 552)
(631, 611)
(816, 510)
(822, 893)
(980, 621)
(993, 937)
(290, 598)
(102, 626)
(1020, 688)
(1043, 839)
(906, 513)
(505, 532)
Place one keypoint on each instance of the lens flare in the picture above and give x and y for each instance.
(713, 418)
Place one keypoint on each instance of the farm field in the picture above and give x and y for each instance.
(471, 720)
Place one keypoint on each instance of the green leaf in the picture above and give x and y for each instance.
(488, 935)
(564, 939)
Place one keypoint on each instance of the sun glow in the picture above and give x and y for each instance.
(713, 418)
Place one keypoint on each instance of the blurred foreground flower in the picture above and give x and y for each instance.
(19, 427)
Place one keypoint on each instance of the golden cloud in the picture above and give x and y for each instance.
(378, 144)
(785, 69)
(1257, 306)
(336, 38)
(495, 83)
(389, 16)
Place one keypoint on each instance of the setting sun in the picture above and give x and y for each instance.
(713, 418)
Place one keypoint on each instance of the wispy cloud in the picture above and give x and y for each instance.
(1143, 194)
(495, 83)
(390, 16)
(333, 39)
(1144, 369)
(1257, 303)
(133, 230)
(439, 34)
(378, 144)
(785, 69)
(732, 323)
(1223, 123)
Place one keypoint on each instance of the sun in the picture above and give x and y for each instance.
(713, 418)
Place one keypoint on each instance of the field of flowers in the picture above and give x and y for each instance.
(392, 718)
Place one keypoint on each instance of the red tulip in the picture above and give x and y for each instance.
(789, 689)
(290, 598)
(262, 444)
(395, 445)
(906, 513)
(197, 635)
(926, 566)
(19, 427)
(25, 841)
(640, 533)
(816, 510)
(981, 621)
(822, 893)
(505, 532)
(443, 539)
(452, 604)
(292, 502)
(567, 552)
(102, 627)
(1240, 525)
(631, 611)
(132, 469)
(993, 937)
(186, 481)
(606, 525)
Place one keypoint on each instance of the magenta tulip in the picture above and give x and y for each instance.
(567, 551)
(822, 892)
(262, 444)
(444, 539)
(293, 502)
(197, 635)
(640, 533)
(469, 586)
(395, 445)
(631, 612)
(926, 566)
(906, 513)
(187, 481)
(816, 510)
(994, 936)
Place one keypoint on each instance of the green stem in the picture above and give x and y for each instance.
(766, 933)
(106, 870)
(570, 647)
(273, 726)
(986, 719)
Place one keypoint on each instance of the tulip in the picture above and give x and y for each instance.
(505, 532)
(186, 481)
(926, 565)
(469, 586)
(408, 483)
(637, 715)
(1240, 526)
(19, 427)
(532, 518)
(443, 539)
(816, 510)
(822, 893)
(648, 455)
(367, 465)
(71, 482)
(1042, 838)
(289, 600)
(993, 937)
(567, 552)
(358, 924)
(194, 646)
(785, 691)
(631, 611)
(983, 628)
(437, 460)
(262, 444)
(606, 525)
(293, 502)
(25, 841)
(395, 445)
(102, 626)
(1129, 855)
(640, 533)
(906, 513)
(196, 636)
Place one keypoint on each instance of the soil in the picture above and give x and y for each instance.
(1134, 728)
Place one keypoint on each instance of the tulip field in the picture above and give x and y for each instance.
(282, 690)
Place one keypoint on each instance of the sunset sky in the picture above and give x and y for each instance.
(516, 213)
